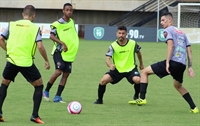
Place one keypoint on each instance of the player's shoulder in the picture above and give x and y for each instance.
(131, 40)
(170, 28)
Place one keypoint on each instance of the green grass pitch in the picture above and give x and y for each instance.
(165, 106)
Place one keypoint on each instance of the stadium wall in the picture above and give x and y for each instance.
(49, 16)
(81, 17)
(109, 5)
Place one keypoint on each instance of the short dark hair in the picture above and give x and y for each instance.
(167, 14)
(122, 28)
(66, 4)
(29, 10)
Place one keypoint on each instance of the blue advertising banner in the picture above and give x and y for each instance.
(140, 34)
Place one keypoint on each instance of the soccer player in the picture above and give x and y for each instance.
(66, 43)
(178, 51)
(122, 51)
(22, 39)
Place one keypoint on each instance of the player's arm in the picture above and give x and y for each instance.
(109, 57)
(170, 48)
(4, 36)
(139, 56)
(55, 39)
(189, 57)
(2, 43)
(42, 49)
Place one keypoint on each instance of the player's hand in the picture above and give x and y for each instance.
(167, 68)
(47, 65)
(191, 72)
(64, 47)
(141, 66)
(112, 67)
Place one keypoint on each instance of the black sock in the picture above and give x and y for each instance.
(137, 91)
(189, 100)
(143, 90)
(49, 85)
(3, 93)
(59, 91)
(101, 91)
(37, 97)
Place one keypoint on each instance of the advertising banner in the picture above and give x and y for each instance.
(140, 34)
(193, 34)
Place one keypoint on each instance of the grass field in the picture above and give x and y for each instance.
(165, 105)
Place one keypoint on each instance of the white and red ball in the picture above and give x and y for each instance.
(74, 107)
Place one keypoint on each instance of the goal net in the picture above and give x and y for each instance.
(187, 17)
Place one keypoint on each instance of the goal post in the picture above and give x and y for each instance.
(191, 13)
(186, 16)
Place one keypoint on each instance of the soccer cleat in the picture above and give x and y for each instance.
(1, 118)
(141, 101)
(195, 110)
(58, 99)
(46, 96)
(98, 102)
(36, 120)
(133, 102)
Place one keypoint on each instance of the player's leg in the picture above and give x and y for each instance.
(156, 68)
(59, 65)
(33, 76)
(177, 72)
(102, 88)
(134, 78)
(186, 95)
(9, 74)
(67, 68)
(113, 76)
(144, 81)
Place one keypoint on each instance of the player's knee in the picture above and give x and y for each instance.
(144, 71)
(57, 73)
(5, 81)
(136, 80)
(103, 82)
(177, 86)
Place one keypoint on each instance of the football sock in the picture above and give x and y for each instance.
(37, 97)
(101, 91)
(143, 90)
(60, 89)
(3, 93)
(49, 85)
(137, 90)
(188, 98)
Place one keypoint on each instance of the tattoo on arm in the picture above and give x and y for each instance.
(189, 62)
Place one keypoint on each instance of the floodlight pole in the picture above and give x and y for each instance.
(158, 13)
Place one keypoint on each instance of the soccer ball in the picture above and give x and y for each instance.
(74, 107)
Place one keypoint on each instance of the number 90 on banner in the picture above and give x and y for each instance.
(134, 34)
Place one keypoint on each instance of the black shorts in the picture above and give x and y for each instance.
(30, 73)
(60, 63)
(116, 76)
(176, 70)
